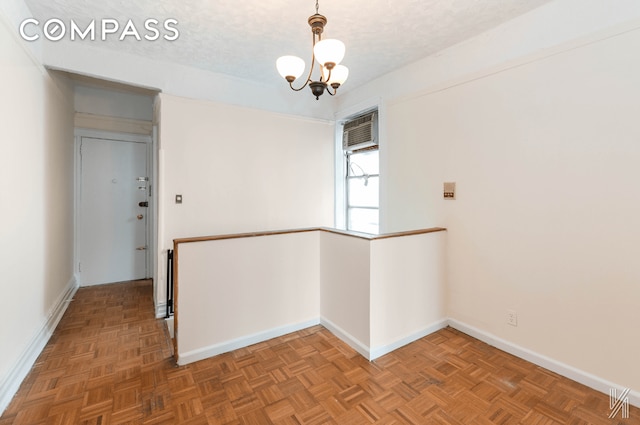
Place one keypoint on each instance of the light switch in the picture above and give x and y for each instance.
(178, 199)
(449, 191)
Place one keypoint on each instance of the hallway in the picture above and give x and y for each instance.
(105, 363)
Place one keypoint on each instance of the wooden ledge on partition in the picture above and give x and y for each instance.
(372, 237)
(367, 236)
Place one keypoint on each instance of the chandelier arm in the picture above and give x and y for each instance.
(300, 88)
(322, 75)
(335, 91)
(313, 62)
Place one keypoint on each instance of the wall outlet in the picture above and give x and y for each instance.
(512, 318)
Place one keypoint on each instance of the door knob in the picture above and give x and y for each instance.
(140, 216)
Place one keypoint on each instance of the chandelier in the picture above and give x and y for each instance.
(327, 53)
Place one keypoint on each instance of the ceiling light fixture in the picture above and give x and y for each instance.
(328, 53)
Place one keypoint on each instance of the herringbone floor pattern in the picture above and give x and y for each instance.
(109, 362)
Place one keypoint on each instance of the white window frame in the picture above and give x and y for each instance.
(340, 214)
(347, 159)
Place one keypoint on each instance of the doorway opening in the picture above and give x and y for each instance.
(115, 173)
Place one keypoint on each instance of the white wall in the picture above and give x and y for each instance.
(239, 170)
(36, 207)
(12, 13)
(548, 216)
(112, 103)
(544, 148)
(378, 295)
(407, 288)
(113, 109)
(238, 288)
(345, 288)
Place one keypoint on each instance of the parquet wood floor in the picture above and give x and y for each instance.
(109, 362)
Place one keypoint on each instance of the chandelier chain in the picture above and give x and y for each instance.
(317, 7)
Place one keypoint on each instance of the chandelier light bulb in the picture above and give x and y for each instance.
(339, 75)
(329, 52)
(290, 67)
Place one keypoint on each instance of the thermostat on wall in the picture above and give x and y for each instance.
(449, 190)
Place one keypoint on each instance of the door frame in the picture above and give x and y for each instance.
(151, 230)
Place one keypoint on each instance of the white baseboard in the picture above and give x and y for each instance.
(373, 353)
(386, 349)
(12, 381)
(161, 310)
(346, 337)
(225, 347)
(560, 368)
(169, 322)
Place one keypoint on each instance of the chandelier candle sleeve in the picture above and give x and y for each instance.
(329, 52)
(339, 75)
(290, 67)
(326, 53)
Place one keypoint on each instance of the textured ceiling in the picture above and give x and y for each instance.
(244, 38)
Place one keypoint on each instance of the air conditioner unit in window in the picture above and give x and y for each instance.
(360, 133)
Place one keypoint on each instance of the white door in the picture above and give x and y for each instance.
(112, 229)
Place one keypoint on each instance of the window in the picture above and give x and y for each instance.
(362, 189)
(362, 173)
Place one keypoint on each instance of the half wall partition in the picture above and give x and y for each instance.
(375, 292)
